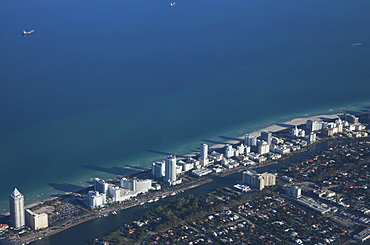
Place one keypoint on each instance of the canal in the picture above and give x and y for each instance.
(85, 233)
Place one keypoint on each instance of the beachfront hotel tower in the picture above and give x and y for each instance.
(170, 170)
(100, 185)
(266, 136)
(203, 156)
(203, 151)
(250, 140)
(16, 208)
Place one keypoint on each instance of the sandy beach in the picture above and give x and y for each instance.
(280, 126)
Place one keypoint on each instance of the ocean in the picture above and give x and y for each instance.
(105, 87)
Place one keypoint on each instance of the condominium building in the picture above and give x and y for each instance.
(203, 151)
(266, 136)
(297, 132)
(16, 208)
(136, 185)
(36, 221)
(229, 151)
(259, 181)
(100, 185)
(351, 118)
(314, 125)
(263, 147)
(170, 171)
(96, 199)
(158, 169)
(250, 140)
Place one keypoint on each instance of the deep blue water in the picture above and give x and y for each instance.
(102, 85)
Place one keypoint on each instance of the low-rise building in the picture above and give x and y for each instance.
(3, 227)
(201, 172)
(363, 235)
(321, 208)
(216, 156)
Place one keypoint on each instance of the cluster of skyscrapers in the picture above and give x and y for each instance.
(168, 170)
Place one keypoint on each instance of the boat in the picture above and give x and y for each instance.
(356, 44)
(24, 32)
(173, 4)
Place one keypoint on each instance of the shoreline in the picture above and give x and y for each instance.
(276, 128)
(272, 128)
(90, 216)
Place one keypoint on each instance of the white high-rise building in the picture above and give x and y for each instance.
(351, 118)
(263, 147)
(96, 199)
(296, 132)
(204, 162)
(136, 185)
(143, 185)
(339, 125)
(16, 208)
(229, 151)
(170, 171)
(119, 194)
(100, 185)
(203, 151)
(266, 136)
(314, 125)
(241, 149)
(250, 140)
(128, 184)
(311, 137)
(203, 156)
(158, 169)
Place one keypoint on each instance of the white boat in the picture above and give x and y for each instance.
(24, 32)
(356, 44)
(173, 4)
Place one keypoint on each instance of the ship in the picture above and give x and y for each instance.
(173, 4)
(24, 32)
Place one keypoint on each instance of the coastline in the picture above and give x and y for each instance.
(277, 127)
(272, 128)
(89, 216)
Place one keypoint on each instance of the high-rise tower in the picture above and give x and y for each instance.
(16, 207)
(203, 151)
(170, 170)
(203, 156)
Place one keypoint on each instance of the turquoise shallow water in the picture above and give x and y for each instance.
(102, 85)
